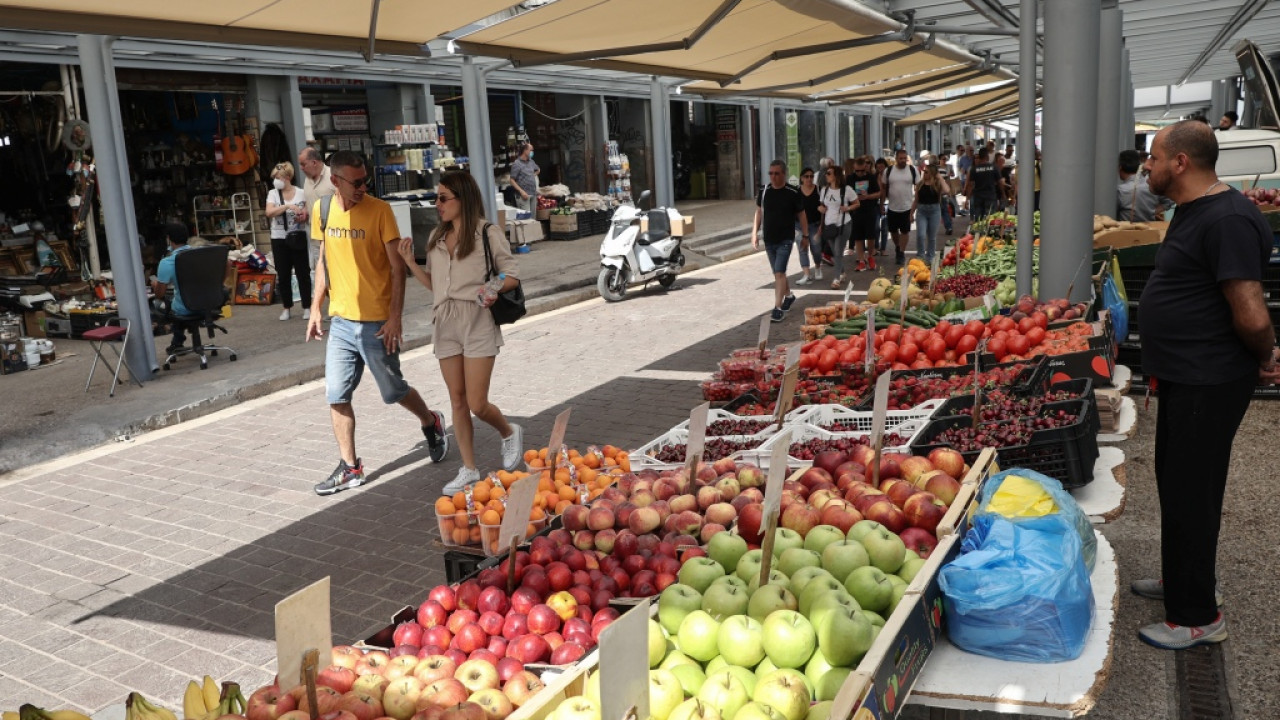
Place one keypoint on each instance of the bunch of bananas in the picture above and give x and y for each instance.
(137, 707)
(31, 712)
(206, 702)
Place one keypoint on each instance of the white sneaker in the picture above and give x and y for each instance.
(465, 477)
(804, 280)
(817, 273)
(285, 315)
(306, 314)
(513, 448)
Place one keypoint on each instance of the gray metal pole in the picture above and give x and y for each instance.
(291, 112)
(767, 151)
(1126, 129)
(1072, 30)
(475, 108)
(102, 101)
(1026, 143)
(660, 127)
(745, 147)
(831, 138)
(1107, 149)
(876, 136)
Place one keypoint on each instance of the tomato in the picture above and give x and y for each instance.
(1026, 324)
(1042, 320)
(888, 352)
(1001, 334)
(828, 341)
(827, 361)
(942, 327)
(1035, 336)
(921, 364)
(954, 333)
(1018, 344)
(966, 344)
(849, 356)
(893, 333)
(900, 366)
(974, 328)
(809, 346)
(996, 346)
(935, 348)
(808, 360)
(907, 352)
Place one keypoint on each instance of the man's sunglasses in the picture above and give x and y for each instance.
(364, 182)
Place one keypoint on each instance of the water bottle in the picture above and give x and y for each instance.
(489, 292)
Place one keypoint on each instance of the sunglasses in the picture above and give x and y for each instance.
(364, 182)
(444, 199)
(807, 175)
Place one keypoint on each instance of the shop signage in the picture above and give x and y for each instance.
(349, 120)
(313, 81)
(727, 125)
(793, 147)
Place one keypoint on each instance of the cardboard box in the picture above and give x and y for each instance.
(255, 288)
(33, 322)
(542, 213)
(1126, 238)
(522, 232)
(679, 228)
(564, 223)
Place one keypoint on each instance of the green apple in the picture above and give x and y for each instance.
(725, 600)
(816, 669)
(898, 591)
(715, 664)
(675, 658)
(726, 693)
(665, 693)
(861, 528)
(741, 640)
(823, 606)
(765, 667)
(697, 635)
(691, 678)
(875, 629)
(843, 557)
(674, 603)
(789, 639)
(776, 577)
(592, 690)
(821, 536)
(792, 559)
(785, 693)
(885, 549)
(802, 577)
(695, 709)
(699, 572)
(784, 539)
(910, 568)
(758, 711)
(793, 673)
(818, 711)
(769, 598)
(576, 708)
(729, 580)
(870, 587)
(746, 675)
(726, 549)
(657, 644)
(829, 686)
(875, 618)
(749, 565)
(815, 589)
(844, 636)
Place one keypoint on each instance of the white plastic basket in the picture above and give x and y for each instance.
(715, 415)
(641, 457)
(820, 415)
(909, 429)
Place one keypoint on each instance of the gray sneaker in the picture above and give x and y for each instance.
(513, 448)
(1153, 589)
(1168, 636)
(344, 476)
(437, 439)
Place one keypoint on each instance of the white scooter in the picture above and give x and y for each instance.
(628, 255)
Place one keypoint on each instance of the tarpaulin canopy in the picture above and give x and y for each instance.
(400, 27)
(975, 102)
(790, 48)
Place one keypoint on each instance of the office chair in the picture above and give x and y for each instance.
(200, 272)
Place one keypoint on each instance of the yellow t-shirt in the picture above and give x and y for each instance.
(355, 256)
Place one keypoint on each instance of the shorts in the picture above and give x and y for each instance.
(898, 222)
(864, 227)
(779, 255)
(353, 345)
(466, 329)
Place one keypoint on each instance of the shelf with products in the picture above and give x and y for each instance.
(404, 165)
(618, 170)
(222, 215)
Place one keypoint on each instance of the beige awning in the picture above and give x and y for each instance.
(940, 80)
(402, 26)
(784, 48)
(975, 103)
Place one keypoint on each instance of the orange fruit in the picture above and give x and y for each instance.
(490, 517)
(497, 494)
(459, 501)
(609, 451)
(530, 530)
(495, 505)
(561, 506)
(537, 514)
(475, 533)
(586, 475)
(444, 506)
(544, 483)
(567, 493)
(562, 475)
(591, 460)
(530, 455)
(595, 493)
(460, 536)
(460, 519)
(480, 492)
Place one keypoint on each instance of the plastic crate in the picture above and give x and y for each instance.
(720, 414)
(462, 564)
(820, 415)
(750, 397)
(489, 536)
(448, 524)
(804, 433)
(642, 457)
(1082, 388)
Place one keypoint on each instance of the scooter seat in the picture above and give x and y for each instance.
(648, 238)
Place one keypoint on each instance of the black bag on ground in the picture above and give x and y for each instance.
(509, 307)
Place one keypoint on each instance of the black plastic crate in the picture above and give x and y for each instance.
(746, 398)
(461, 564)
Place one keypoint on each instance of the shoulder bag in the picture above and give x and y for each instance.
(509, 307)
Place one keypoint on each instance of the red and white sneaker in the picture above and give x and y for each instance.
(1167, 636)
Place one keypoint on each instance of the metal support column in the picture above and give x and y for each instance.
(831, 138)
(660, 129)
(746, 146)
(1126, 130)
(1026, 150)
(1107, 149)
(291, 118)
(1072, 31)
(768, 153)
(876, 136)
(602, 125)
(475, 108)
(102, 101)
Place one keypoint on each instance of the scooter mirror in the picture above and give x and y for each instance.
(643, 196)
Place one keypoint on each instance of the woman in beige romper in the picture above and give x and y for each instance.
(466, 337)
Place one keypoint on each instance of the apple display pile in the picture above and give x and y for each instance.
(1263, 196)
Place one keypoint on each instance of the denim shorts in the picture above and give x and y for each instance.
(353, 345)
(779, 255)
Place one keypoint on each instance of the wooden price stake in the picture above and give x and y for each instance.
(310, 665)
(844, 308)
(697, 439)
(933, 272)
(773, 500)
(558, 430)
(515, 520)
(869, 363)
(904, 297)
(762, 342)
(879, 411)
(787, 390)
(302, 625)
(624, 673)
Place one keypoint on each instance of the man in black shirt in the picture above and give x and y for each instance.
(778, 210)
(866, 218)
(1207, 340)
(984, 188)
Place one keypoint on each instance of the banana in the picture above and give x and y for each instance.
(65, 715)
(10, 715)
(149, 711)
(235, 700)
(193, 702)
(211, 692)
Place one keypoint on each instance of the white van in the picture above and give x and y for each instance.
(1251, 158)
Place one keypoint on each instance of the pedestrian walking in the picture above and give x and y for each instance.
(317, 183)
(838, 202)
(778, 210)
(930, 209)
(865, 219)
(287, 210)
(810, 240)
(361, 271)
(984, 187)
(1207, 341)
(466, 337)
(900, 181)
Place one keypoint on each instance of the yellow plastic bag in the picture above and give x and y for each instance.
(1020, 497)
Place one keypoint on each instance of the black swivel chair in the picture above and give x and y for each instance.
(200, 272)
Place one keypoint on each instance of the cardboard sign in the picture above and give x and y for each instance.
(515, 519)
(302, 624)
(624, 673)
(697, 438)
(793, 357)
(558, 429)
(903, 295)
(762, 341)
(786, 394)
(869, 363)
(844, 308)
(879, 411)
(773, 499)
(933, 272)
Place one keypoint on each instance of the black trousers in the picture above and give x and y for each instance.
(293, 262)
(1195, 427)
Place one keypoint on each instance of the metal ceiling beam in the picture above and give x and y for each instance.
(813, 50)
(859, 67)
(947, 80)
(1243, 15)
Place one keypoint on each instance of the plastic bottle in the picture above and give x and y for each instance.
(489, 292)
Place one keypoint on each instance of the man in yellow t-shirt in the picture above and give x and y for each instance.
(362, 272)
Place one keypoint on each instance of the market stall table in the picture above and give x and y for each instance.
(955, 680)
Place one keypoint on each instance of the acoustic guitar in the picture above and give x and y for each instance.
(238, 155)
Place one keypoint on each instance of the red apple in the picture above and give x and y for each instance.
(943, 486)
(346, 656)
(494, 599)
(497, 645)
(537, 581)
(559, 576)
(361, 705)
(491, 622)
(371, 664)
(408, 633)
(913, 467)
(898, 490)
(924, 511)
(268, 703)
(799, 517)
(542, 619)
(433, 668)
(445, 596)
(920, 541)
(465, 710)
(471, 637)
(443, 692)
(400, 666)
(461, 617)
(486, 655)
(521, 687)
(468, 594)
(887, 514)
(567, 654)
(439, 635)
(529, 648)
(841, 516)
(751, 523)
(432, 613)
(337, 677)
(948, 461)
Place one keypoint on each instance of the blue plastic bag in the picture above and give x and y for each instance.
(1066, 505)
(1019, 591)
(1118, 307)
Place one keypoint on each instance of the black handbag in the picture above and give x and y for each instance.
(296, 240)
(509, 307)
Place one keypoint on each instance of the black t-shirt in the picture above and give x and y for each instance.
(864, 184)
(928, 195)
(811, 203)
(780, 207)
(1187, 335)
(985, 178)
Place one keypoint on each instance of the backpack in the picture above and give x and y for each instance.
(915, 176)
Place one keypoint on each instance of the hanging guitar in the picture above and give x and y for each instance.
(238, 155)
